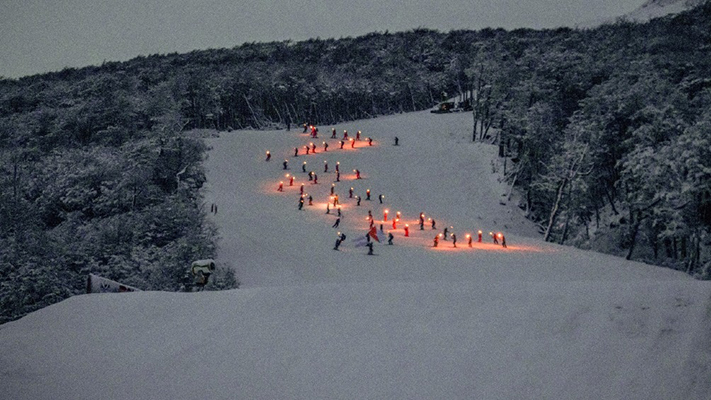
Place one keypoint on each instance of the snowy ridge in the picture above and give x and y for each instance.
(648, 11)
(659, 8)
(535, 320)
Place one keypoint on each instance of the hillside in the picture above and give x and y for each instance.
(534, 320)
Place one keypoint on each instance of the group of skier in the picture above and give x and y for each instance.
(312, 131)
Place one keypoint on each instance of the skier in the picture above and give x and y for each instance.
(496, 241)
(315, 179)
(341, 238)
(325, 166)
(301, 203)
(328, 208)
(370, 215)
(333, 187)
(311, 176)
(397, 141)
(434, 224)
(301, 189)
(303, 167)
(446, 230)
(436, 241)
(313, 148)
(333, 133)
(422, 221)
(454, 240)
(358, 203)
(307, 150)
(338, 176)
(407, 230)
(291, 180)
(286, 164)
(311, 200)
(296, 151)
(357, 172)
(503, 240)
(390, 238)
(339, 211)
(325, 146)
(370, 141)
(281, 187)
(269, 156)
(367, 194)
(335, 225)
(370, 249)
(479, 233)
(385, 215)
(358, 135)
(380, 198)
(342, 143)
(469, 240)
(345, 135)
(338, 166)
(306, 127)
(395, 222)
(335, 200)
(352, 143)
(350, 193)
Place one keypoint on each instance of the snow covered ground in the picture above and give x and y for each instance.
(534, 320)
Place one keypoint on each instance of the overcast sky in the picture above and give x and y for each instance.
(39, 36)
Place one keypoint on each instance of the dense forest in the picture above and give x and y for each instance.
(605, 133)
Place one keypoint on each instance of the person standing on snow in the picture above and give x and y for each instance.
(335, 225)
(342, 143)
(301, 203)
(333, 133)
(407, 230)
(281, 187)
(397, 141)
(325, 166)
(380, 198)
(446, 230)
(358, 135)
(454, 240)
(325, 146)
(350, 193)
(469, 240)
(286, 164)
(311, 200)
(435, 241)
(367, 194)
(269, 156)
(422, 221)
(370, 248)
(358, 202)
(390, 238)
(345, 135)
(296, 151)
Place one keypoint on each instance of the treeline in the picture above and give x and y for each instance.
(605, 132)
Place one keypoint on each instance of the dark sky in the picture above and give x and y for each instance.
(39, 36)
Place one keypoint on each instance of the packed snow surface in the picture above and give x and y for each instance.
(533, 320)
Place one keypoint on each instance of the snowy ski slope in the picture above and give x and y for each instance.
(534, 320)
